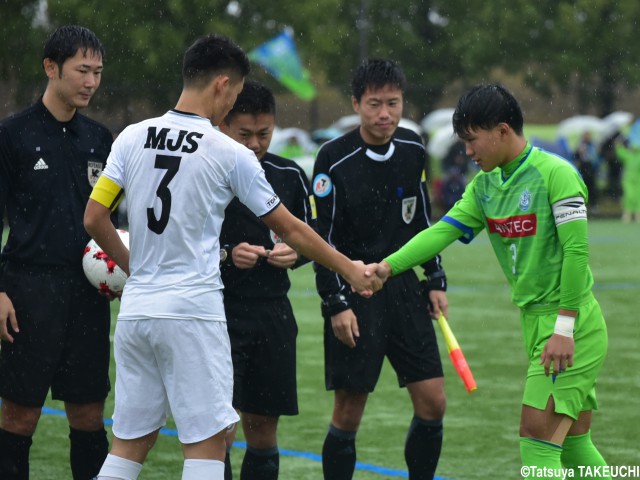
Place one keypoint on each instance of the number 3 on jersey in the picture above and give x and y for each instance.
(171, 164)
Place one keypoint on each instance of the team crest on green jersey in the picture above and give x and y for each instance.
(525, 200)
(408, 209)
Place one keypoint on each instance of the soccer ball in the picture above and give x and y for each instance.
(101, 271)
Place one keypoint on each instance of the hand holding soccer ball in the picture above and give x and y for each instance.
(101, 271)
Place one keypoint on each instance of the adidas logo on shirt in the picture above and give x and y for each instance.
(40, 165)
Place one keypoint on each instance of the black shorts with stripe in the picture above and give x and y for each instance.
(395, 323)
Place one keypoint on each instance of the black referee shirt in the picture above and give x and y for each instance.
(240, 225)
(370, 200)
(47, 171)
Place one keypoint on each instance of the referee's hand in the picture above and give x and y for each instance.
(345, 327)
(282, 256)
(245, 256)
(7, 317)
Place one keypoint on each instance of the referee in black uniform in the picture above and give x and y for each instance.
(54, 325)
(260, 321)
(371, 197)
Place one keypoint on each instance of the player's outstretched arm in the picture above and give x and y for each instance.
(382, 270)
(307, 242)
(437, 298)
(97, 222)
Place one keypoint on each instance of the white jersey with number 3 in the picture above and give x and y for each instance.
(178, 174)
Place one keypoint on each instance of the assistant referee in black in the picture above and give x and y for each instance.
(371, 197)
(54, 325)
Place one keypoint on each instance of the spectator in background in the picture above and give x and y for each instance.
(456, 157)
(587, 161)
(292, 149)
(629, 155)
(614, 167)
(454, 168)
(452, 187)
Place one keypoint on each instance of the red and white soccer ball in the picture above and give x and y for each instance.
(101, 271)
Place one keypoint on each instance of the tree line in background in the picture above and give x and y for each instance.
(583, 47)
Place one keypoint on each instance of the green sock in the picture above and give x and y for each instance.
(541, 458)
(579, 451)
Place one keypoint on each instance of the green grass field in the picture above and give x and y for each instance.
(481, 429)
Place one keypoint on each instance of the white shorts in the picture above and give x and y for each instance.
(179, 367)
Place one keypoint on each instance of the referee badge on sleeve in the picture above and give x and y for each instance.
(322, 185)
(408, 209)
(94, 170)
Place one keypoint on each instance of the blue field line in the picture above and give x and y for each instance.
(389, 472)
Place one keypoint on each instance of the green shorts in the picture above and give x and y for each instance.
(574, 390)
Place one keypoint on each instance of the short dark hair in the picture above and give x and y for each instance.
(65, 42)
(254, 99)
(376, 73)
(484, 107)
(212, 55)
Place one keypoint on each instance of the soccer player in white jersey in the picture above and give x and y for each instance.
(532, 204)
(171, 344)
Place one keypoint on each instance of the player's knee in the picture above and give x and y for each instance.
(531, 430)
(440, 406)
(347, 416)
(348, 409)
(433, 410)
(432, 406)
(88, 418)
(261, 438)
(19, 419)
(347, 419)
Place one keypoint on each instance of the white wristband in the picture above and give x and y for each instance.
(564, 326)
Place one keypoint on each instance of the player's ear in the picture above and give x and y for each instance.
(221, 82)
(50, 68)
(504, 129)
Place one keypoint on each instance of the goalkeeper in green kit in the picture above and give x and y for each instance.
(533, 205)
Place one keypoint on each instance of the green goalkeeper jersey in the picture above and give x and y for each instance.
(535, 215)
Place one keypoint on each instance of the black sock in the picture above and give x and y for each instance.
(422, 448)
(339, 454)
(260, 464)
(228, 473)
(14, 456)
(88, 452)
